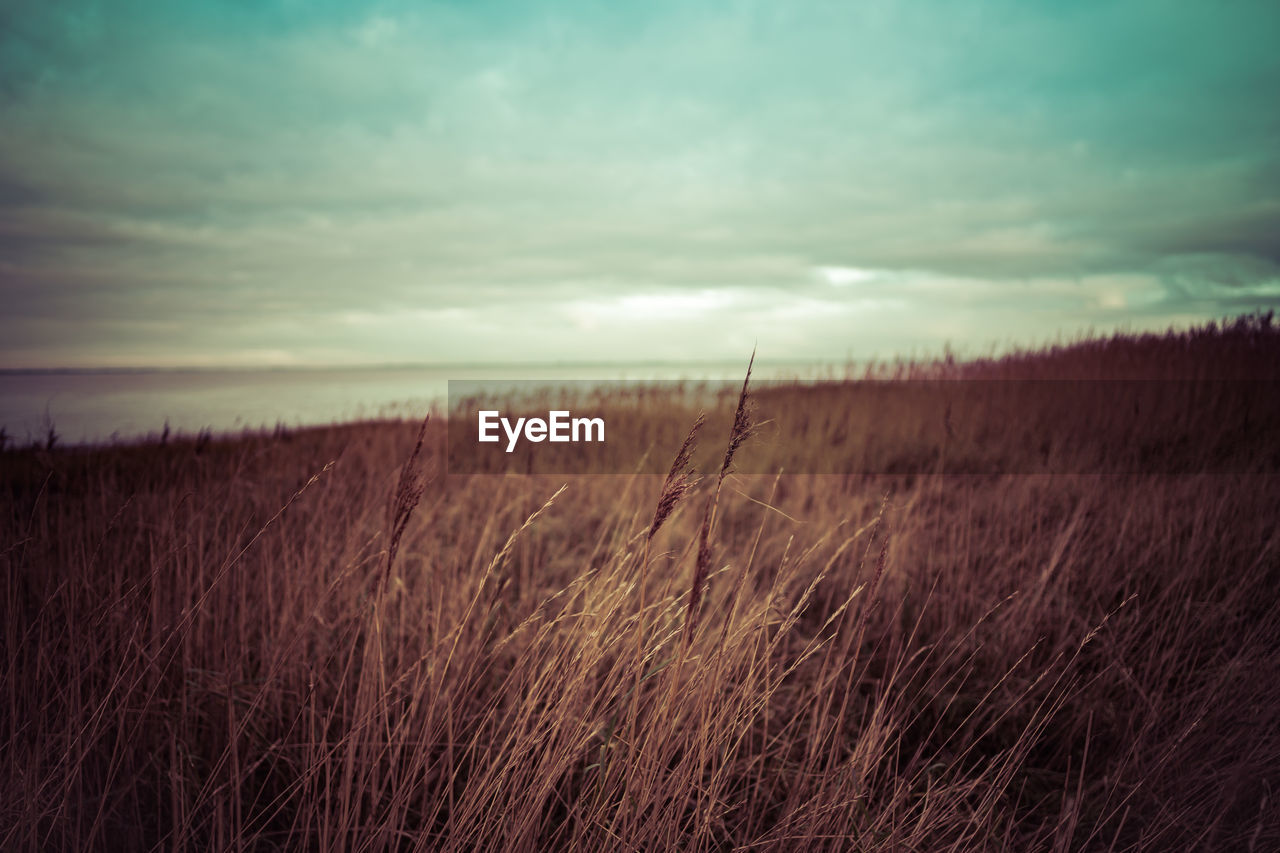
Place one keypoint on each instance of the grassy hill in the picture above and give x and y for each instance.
(318, 640)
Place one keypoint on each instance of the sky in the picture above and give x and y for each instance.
(276, 183)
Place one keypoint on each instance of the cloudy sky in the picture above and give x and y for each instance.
(287, 182)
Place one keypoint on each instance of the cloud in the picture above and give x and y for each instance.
(244, 176)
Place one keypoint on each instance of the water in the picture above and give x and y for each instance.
(107, 406)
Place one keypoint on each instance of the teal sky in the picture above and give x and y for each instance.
(278, 183)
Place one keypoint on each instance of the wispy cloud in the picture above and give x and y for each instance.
(499, 179)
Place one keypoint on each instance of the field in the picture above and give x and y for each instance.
(318, 640)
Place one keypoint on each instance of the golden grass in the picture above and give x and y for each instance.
(304, 641)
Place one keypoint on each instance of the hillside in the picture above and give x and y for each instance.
(317, 639)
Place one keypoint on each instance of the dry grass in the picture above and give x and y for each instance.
(215, 645)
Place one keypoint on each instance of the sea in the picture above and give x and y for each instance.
(120, 406)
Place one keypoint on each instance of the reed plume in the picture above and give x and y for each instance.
(680, 480)
(744, 427)
(409, 491)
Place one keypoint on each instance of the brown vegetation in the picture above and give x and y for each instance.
(301, 641)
